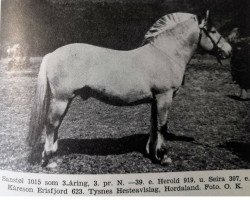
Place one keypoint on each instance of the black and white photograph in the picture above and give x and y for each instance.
(121, 87)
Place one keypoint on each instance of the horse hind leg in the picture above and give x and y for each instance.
(57, 110)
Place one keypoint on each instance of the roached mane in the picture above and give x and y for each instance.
(165, 23)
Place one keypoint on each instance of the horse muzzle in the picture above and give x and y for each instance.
(225, 52)
(224, 55)
(221, 54)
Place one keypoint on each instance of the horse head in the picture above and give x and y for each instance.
(234, 35)
(212, 41)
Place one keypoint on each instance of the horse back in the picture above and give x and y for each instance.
(119, 73)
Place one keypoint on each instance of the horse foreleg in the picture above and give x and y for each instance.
(57, 111)
(164, 102)
(153, 131)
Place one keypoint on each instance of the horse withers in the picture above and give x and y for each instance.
(151, 73)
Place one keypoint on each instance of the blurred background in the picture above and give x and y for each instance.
(44, 25)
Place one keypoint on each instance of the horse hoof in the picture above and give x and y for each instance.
(52, 165)
(166, 160)
(161, 153)
(44, 162)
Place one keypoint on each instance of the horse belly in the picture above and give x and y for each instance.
(120, 87)
(129, 97)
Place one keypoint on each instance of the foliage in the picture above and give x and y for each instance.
(48, 24)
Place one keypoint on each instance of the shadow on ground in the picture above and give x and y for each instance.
(110, 146)
(103, 146)
(237, 98)
(240, 149)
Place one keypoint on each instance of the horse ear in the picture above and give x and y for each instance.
(202, 24)
(205, 20)
(207, 15)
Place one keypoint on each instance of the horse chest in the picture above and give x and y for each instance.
(166, 78)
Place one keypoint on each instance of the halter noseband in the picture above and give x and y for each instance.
(215, 50)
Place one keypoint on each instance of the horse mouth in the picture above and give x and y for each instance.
(223, 55)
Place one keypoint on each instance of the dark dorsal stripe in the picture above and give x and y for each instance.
(165, 23)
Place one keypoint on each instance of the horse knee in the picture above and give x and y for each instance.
(164, 102)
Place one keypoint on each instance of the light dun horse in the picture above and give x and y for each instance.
(152, 73)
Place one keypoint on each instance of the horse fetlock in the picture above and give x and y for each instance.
(159, 154)
(46, 156)
(50, 145)
(55, 146)
(159, 148)
(45, 162)
(162, 156)
(162, 151)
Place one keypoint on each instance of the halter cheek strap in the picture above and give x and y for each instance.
(215, 50)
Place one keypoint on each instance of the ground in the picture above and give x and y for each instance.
(210, 124)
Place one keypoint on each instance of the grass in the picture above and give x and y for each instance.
(99, 138)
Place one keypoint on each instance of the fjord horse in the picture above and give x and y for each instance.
(152, 73)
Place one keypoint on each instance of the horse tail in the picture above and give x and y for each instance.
(40, 106)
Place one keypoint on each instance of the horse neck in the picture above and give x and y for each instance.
(179, 46)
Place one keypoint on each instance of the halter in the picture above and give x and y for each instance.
(216, 50)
